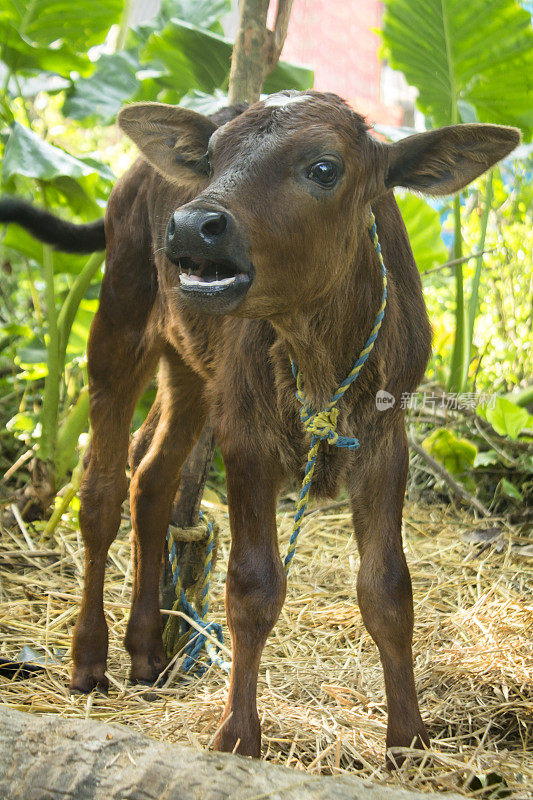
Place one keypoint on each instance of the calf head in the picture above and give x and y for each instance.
(283, 193)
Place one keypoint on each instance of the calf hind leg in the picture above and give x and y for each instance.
(157, 456)
(384, 585)
(117, 373)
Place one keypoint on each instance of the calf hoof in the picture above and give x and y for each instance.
(396, 743)
(146, 670)
(85, 679)
(239, 738)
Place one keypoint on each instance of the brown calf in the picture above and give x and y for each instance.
(228, 251)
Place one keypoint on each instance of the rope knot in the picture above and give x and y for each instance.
(323, 424)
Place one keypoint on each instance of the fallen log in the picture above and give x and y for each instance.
(46, 758)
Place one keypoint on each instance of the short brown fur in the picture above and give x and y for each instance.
(315, 295)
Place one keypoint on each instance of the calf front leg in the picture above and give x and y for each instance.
(384, 585)
(119, 365)
(255, 591)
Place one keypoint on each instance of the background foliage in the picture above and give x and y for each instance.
(59, 96)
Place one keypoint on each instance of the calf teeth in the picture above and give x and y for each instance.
(195, 280)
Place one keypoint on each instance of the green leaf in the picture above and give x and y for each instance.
(18, 239)
(14, 329)
(506, 417)
(21, 422)
(74, 424)
(189, 57)
(43, 22)
(423, 226)
(27, 154)
(31, 355)
(474, 58)
(510, 490)
(457, 455)
(100, 97)
(23, 58)
(486, 458)
(204, 103)
(288, 76)
(204, 13)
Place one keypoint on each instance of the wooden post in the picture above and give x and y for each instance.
(186, 508)
(257, 48)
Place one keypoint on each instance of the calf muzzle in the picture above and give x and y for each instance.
(205, 244)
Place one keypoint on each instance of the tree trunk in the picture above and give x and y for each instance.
(44, 758)
(257, 49)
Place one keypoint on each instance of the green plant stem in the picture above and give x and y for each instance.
(67, 497)
(124, 23)
(49, 411)
(35, 297)
(474, 297)
(458, 353)
(69, 433)
(23, 101)
(72, 301)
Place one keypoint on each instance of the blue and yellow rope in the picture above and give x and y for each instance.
(197, 641)
(322, 425)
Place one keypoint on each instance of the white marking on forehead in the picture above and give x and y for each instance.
(280, 99)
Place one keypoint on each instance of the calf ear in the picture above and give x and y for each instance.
(172, 139)
(448, 159)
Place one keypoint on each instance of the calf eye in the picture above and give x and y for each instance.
(325, 173)
(203, 166)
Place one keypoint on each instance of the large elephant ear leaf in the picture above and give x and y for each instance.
(29, 155)
(30, 29)
(423, 226)
(465, 58)
(191, 58)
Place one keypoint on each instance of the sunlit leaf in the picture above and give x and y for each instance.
(100, 97)
(486, 458)
(27, 154)
(506, 417)
(457, 455)
(423, 226)
(474, 57)
(44, 22)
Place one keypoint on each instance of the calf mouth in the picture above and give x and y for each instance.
(213, 286)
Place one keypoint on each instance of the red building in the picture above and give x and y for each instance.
(337, 39)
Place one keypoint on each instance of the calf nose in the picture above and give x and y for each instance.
(196, 227)
(214, 224)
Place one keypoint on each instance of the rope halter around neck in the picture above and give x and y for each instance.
(322, 425)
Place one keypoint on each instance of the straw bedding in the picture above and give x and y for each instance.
(321, 689)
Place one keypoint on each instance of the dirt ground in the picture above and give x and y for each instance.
(321, 691)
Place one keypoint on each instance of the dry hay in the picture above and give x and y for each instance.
(321, 687)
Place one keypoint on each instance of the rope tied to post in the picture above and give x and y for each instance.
(322, 425)
(180, 633)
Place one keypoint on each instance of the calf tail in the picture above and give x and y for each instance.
(59, 233)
